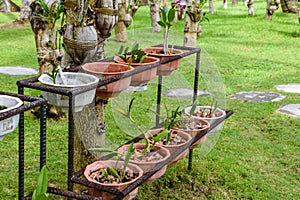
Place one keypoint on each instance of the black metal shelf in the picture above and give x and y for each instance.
(33, 102)
(75, 177)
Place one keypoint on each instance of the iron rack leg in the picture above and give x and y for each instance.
(43, 136)
(158, 99)
(21, 151)
(71, 141)
(194, 99)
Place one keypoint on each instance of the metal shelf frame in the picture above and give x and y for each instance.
(71, 93)
(33, 103)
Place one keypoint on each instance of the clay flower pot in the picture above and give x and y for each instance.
(73, 80)
(145, 76)
(148, 165)
(196, 126)
(217, 114)
(105, 70)
(99, 165)
(181, 137)
(9, 125)
(168, 68)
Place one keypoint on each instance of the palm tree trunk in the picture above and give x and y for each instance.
(120, 29)
(154, 13)
(192, 28)
(25, 11)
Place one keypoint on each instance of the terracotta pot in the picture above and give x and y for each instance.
(105, 70)
(195, 132)
(73, 80)
(98, 165)
(173, 148)
(8, 125)
(218, 114)
(145, 76)
(147, 166)
(168, 68)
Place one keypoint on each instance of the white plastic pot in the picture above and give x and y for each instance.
(9, 125)
(72, 80)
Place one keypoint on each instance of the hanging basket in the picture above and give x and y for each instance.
(106, 19)
(80, 43)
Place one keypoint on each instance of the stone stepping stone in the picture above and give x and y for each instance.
(136, 88)
(257, 96)
(290, 88)
(184, 93)
(290, 109)
(18, 70)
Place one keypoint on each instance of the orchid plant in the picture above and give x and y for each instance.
(194, 9)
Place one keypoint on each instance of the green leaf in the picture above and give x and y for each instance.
(104, 172)
(42, 184)
(163, 15)
(171, 15)
(193, 108)
(162, 24)
(128, 155)
(44, 6)
(130, 105)
(113, 172)
(160, 135)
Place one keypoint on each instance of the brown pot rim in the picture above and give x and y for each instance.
(97, 164)
(84, 67)
(152, 162)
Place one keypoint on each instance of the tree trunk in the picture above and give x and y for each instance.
(250, 5)
(287, 6)
(192, 26)
(234, 2)
(9, 6)
(25, 11)
(211, 7)
(155, 17)
(45, 40)
(225, 4)
(87, 135)
(120, 29)
(272, 6)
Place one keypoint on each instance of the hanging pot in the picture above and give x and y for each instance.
(106, 19)
(80, 43)
(127, 19)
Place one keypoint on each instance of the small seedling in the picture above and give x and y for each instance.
(53, 73)
(136, 55)
(40, 193)
(114, 173)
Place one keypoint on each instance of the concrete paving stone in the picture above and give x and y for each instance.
(18, 70)
(136, 88)
(184, 93)
(290, 109)
(254, 96)
(290, 88)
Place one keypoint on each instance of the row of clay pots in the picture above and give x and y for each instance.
(164, 150)
(105, 70)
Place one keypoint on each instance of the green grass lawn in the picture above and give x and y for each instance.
(257, 154)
